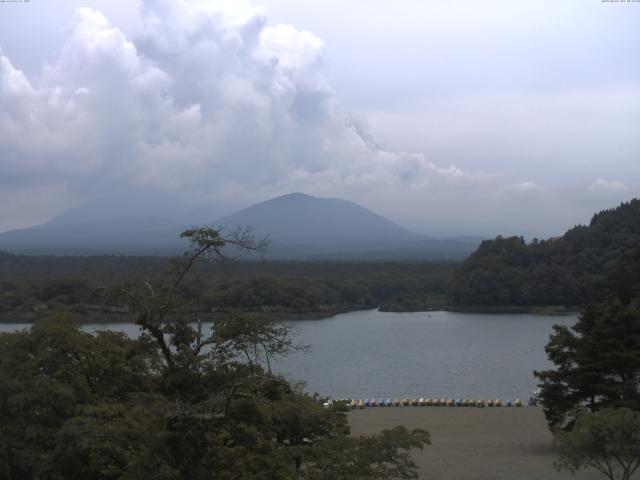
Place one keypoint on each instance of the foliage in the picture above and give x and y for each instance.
(30, 285)
(570, 270)
(182, 401)
(598, 360)
(592, 397)
(607, 440)
(51, 374)
(380, 456)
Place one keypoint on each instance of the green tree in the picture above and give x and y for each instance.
(597, 362)
(382, 456)
(183, 401)
(607, 440)
(50, 374)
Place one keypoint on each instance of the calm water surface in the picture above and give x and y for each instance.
(436, 354)
(426, 354)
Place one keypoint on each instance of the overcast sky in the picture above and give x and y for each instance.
(474, 117)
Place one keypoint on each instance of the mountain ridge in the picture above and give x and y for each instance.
(299, 225)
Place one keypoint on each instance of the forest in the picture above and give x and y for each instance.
(571, 270)
(567, 272)
(30, 285)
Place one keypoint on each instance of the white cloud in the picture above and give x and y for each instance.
(602, 185)
(207, 94)
(209, 99)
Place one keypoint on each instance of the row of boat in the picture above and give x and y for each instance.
(428, 402)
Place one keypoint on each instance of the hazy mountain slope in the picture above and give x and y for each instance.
(302, 226)
(147, 205)
(132, 223)
(299, 219)
(121, 236)
(299, 226)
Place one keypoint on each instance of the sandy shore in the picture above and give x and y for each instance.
(475, 443)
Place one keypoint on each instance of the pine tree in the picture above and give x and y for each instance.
(598, 359)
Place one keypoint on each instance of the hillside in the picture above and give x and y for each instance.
(570, 270)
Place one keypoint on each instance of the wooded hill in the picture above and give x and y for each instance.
(571, 270)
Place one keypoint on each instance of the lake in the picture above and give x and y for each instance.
(426, 354)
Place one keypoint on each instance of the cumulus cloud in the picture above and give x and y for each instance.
(209, 99)
(207, 94)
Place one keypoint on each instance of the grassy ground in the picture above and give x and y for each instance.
(475, 443)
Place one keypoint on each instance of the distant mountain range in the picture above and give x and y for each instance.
(299, 226)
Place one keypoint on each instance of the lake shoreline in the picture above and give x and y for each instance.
(93, 317)
(373, 354)
(88, 318)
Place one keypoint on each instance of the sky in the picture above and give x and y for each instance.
(466, 117)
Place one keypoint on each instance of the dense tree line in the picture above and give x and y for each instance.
(571, 270)
(29, 285)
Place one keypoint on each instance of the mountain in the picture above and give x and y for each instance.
(321, 224)
(299, 226)
(164, 208)
(143, 222)
(571, 270)
(302, 226)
